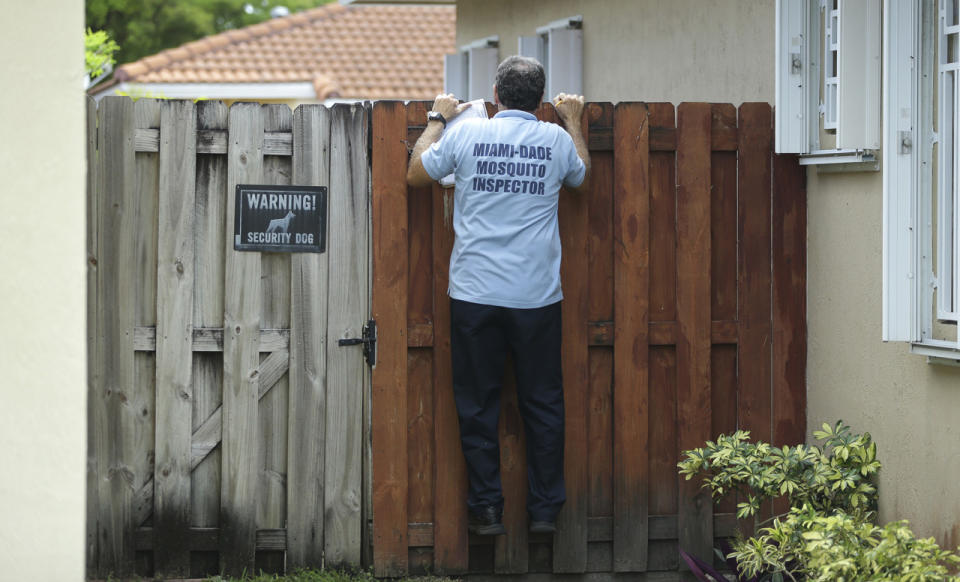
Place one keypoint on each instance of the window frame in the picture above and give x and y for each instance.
(911, 27)
(470, 72)
(801, 90)
(559, 47)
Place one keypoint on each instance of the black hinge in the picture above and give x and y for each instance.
(369, 341)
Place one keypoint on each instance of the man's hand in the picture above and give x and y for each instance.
(448, 106)
(569, 108)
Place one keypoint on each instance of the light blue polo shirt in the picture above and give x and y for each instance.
(508, 171)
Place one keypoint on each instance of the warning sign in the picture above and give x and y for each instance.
(290, 219)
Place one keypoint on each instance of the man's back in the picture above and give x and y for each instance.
(509, 171)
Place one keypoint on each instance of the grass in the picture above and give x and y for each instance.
(324, 576)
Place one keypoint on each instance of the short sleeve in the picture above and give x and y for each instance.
(438, 159)
(576, 169)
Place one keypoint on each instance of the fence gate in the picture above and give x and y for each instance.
(226, 424)
(684, 317)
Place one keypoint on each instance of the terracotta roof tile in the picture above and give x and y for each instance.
(365, 51)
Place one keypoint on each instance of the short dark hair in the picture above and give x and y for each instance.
(520, 82)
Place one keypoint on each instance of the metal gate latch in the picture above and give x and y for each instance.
(368, 339)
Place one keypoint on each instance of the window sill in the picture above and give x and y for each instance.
(944, 354)
(842, 160)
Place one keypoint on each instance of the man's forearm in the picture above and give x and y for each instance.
(416, 174)
(581, 145)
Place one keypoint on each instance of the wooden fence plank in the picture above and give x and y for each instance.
(789, 301)
(389, 390)
(693, 314)
(93, 453)
(723, 276)
(115, 321)
(754, 325)
(570, 541)
(631, 287)
(420, 416)
(175, 262)
(600, 296)
(662, 434)
(241, 321)
(211, 208)
(450, 474)
(141, 443)
(349, 309)
(273, 408)
(308, 358)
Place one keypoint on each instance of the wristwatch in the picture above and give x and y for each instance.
(436, 116)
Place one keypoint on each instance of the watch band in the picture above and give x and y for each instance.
(436, 116)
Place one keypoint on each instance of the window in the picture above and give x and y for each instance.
(559, 47)
(828, 113)
(921, 172)
(470, 72)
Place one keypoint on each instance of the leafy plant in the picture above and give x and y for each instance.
(828, 534)
(99, 51)
(835, 476)
(808, 545)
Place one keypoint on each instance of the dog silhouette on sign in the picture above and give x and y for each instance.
(280, 224)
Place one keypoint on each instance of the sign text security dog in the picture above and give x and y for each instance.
(290, 219)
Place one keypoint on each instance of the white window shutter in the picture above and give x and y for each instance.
(483, 72)
(858, 97)
(529, 46)
(793, 90)
(455, 74)
(900, 151)
(565, 61)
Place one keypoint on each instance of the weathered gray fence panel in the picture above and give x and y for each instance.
(349, 274)
(241, 360)
(211, 208)
(274, 313)
(175, 268)
(113, 420)
(93, 219)
(308, 358)
(212, 444)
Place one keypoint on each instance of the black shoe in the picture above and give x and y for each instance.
(487, 522)
(547, 527)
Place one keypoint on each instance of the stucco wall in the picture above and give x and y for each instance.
(648, 50)
(42, 293)
(910, 407)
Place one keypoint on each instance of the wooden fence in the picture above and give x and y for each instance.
(229, 432)
(226, 425)
(684, 317)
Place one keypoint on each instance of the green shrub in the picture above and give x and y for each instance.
(808, 545)
(829, 533)
(837, 476)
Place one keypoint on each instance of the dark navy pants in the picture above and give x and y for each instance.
(480, 339)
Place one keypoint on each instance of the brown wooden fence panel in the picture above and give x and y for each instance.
(203, 449)
(631, 287)
(690, 218)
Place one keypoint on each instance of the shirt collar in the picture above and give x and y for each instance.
(516, 113)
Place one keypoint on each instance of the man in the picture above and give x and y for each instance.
(505, 277)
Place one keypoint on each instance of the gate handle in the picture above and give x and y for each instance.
(368, 339)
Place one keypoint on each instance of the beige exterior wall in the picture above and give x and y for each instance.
(648, 50)
(723, 51)
(909, 406)
(42, 294)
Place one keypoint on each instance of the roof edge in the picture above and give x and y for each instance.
(235, 91)
(129, 71)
